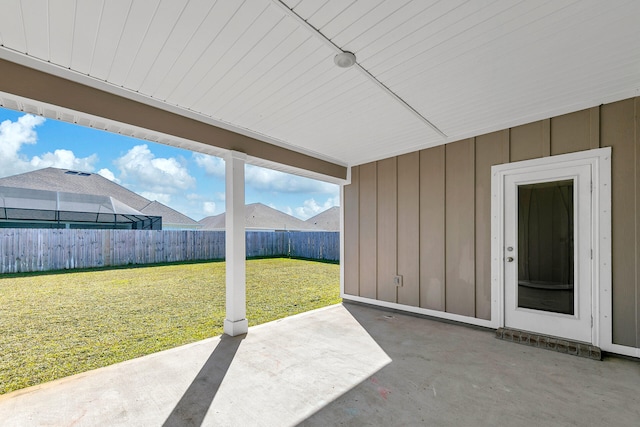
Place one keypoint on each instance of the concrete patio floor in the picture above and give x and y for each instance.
(342, 365)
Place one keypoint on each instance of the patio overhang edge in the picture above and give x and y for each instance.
(30, 83)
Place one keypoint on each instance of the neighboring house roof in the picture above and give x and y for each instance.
(259, 217)
(169, 216)
(328, 220)
(69, 181)
(28, 205)
(214, 222)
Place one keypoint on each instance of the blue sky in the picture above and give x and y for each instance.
(189, 182)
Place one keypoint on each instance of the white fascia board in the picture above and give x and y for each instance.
(86, 80)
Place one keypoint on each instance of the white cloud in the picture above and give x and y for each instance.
(212, 165)
(279, 182)
(263, 179)
(209, 208)
(201, 200)
(64, 159)
(311, 208)
(106, 173)
(157, 178)
(160, 197)
(12, 136)
(199, 205)
(141, 169)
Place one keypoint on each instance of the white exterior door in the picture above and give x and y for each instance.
(547, 240)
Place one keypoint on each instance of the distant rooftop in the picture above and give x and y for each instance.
(261, 217)
(72, 181)
(328, 220)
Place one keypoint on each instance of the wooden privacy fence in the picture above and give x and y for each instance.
(24, 249)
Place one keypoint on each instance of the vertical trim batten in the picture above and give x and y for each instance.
(546, 137)
(637, 216)
(594, 127)
(408, 221)
(506, 146)
(352, 234)
(460, 227)
(617, 130)
(387, 201)
(432, 226)
(368, 228)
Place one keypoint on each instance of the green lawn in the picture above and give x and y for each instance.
(55, 325)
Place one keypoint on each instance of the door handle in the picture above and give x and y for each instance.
(510, 259)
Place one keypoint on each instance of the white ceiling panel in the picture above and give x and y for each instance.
(497, 29)
(236, 26)
(327, 12)
(112, 22)
(138, 22)
(36, 30)
(205, 35)
(475, 41)
(262, 73)
(309, 8)
(85, 33)
(349, 17)
(232, 61)
(266, 66)
(191, 20)
(420, 36)
(320, 76)
(162, 23)
(546, 65)
(350, 94)
(275, 83)
(12, 33)
(370, 22)
(60, 24)
(249, 69)
(399, 24)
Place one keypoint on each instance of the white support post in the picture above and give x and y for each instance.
(235, 322)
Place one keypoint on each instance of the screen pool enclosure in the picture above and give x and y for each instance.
(29, 208)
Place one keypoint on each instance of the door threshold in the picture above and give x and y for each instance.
(574, 348)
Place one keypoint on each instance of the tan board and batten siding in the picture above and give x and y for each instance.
(426, 215)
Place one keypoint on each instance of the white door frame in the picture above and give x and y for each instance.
(578, 325)
(600, 162)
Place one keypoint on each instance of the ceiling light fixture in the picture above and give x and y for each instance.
(344, 59)
(348, 59)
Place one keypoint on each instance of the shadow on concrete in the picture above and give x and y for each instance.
(448, 375)
(196, 401)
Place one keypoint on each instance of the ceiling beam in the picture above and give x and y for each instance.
(40, 86)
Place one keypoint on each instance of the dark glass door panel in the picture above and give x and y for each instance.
(546, 246)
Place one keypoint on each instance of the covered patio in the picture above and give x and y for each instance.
(412, 107)
(342, 365)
